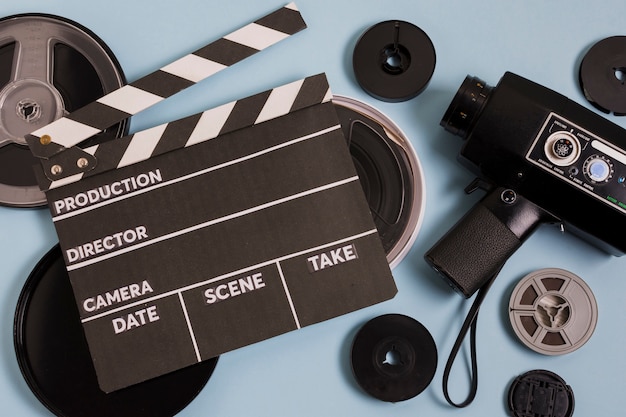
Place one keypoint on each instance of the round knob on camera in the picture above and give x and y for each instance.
(562, 148)
(598, 168)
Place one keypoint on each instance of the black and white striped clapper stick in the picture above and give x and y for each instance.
(165, 82)
(194, 129)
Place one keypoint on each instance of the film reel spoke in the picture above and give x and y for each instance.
(34, 55)
(540, 334)
(539, 286)
(565, 335)
(31, 95)
(30, 88)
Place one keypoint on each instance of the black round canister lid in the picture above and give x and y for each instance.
(540, 393)
(54, 358)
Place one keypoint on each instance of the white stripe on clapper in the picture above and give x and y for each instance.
(67, 180)
(288, 294)
(280, 101)
(193, 68)
(191, 333)
(210, 124)
(63, 131)
(142, 145)
(130, 99)
(256, 36)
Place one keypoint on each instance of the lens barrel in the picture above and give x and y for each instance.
(466, 106)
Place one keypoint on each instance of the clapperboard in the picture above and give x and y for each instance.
(212, 232)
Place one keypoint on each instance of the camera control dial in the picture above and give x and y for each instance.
(562, 148)
(592, 164)
(598, 168)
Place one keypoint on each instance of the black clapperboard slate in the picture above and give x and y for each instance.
(209, 233)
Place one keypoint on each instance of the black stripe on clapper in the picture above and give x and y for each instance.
(109, 156)
(162, 84)
(284, 20)
(225, 52)
(98, 115)
(313, 91)
(176, 134)
(245, 112)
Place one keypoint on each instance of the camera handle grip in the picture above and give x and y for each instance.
(474, 249)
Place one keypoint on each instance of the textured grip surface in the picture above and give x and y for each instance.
(473, 250)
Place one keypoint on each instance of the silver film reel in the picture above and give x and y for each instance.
(553, 311)
(48, 66)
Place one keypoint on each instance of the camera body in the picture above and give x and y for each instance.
(543, 158)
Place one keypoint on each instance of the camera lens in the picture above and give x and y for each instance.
(466, 106)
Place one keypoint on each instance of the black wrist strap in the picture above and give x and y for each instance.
(469, 324)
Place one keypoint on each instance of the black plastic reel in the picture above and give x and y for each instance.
(394, 60)
(54, 358)
(394, 357)
(602, 75)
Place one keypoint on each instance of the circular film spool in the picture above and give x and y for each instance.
(394, 357)
(602, 75)
(49, 66)
(553, 311)
(540, 393)
(54, 358)
(394, 60)
(390, 174)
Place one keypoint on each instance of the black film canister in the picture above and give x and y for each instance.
(394, 60)
(602, 75)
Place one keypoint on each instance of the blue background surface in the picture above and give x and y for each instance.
(307, 373)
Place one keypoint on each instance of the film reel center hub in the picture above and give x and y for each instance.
(394, 60)
(21, 107)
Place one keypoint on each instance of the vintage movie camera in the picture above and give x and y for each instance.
(543, 159)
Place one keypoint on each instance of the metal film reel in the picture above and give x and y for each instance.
(553, 311)
(49, 66)
(389, 171)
